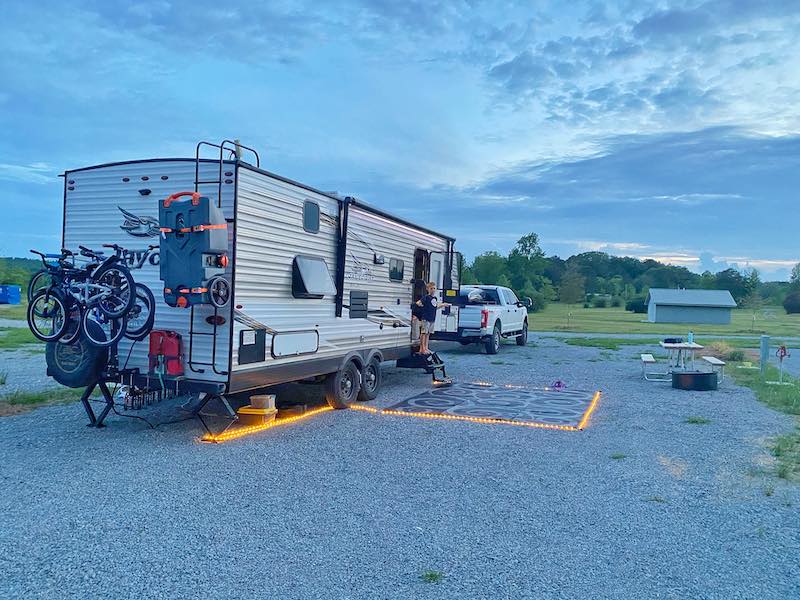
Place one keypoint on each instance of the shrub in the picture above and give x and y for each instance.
(538, 302)
(616, 302)
(792, 303)
(599, 302)
(636, 305)
(586, 305)
(735, 356)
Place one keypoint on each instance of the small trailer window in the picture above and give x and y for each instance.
(311, 216)
(395, 269)
(311, 278)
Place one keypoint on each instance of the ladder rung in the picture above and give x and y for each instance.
(202, 182)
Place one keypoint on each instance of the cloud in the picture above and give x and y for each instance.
(40, 173)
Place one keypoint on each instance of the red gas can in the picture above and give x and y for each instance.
(166, 353)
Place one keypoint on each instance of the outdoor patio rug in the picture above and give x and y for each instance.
(549, 408)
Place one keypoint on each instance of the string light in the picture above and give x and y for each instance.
(243, 431)
(492, 420)
(232, 434)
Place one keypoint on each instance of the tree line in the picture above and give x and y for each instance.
(600, 279)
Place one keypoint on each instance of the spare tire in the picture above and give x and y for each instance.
(78, 364)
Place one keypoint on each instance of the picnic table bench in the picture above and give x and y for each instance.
(716, 364)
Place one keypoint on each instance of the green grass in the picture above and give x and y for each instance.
(14, 311)
(618, 456)
(41, 397)
(771, 321)
(657, 499)
(694, 420)
(13, 338)
(786, 399)
(432, 576)
(614, 343)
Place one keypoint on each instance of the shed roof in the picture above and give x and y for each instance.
(713, 298)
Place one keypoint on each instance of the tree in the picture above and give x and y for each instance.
(488, 267)
(753, 301)
(792, 303)
(573, 286)
(733, 281)
(794, 278)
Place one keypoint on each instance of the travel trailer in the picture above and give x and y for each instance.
(320, 286)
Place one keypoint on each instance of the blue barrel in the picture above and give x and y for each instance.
(9, 294)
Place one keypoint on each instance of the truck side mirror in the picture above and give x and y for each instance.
(528, 302)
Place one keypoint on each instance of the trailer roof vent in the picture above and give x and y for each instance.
(311, 278)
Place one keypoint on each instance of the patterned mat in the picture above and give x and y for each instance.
(546, 407)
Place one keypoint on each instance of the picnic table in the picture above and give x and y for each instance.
(678, 352)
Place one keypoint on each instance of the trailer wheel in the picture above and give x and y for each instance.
(493, 343)
(77, 364)
(342, 387)
(522, 338)
(371, 379)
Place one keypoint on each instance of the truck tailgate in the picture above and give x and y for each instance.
(469, 317)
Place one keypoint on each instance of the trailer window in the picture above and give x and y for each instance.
(311, 216)
(396, 269)
(311, 278)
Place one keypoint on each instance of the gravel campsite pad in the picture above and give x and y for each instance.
(649, 501)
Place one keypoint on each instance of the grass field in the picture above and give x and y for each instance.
(13, 311)
(561, 317)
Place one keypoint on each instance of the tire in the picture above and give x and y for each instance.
(371, 380)
(113, 329)
(493, 343)
(73, 329)
(142, 315)
(47, 315)
(522, 338)
(219, 291)
(76, 365)
(342, 388)
(122, 299)
(41, 280)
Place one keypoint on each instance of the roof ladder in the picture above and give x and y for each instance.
(234, 148)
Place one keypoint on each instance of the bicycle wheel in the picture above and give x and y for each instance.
(219, 291)
(142, 315)
(94, 321)
(40, 281)
(47, 315)
(73, 329)
(119, 295)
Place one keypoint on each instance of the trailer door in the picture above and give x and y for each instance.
(447, 318)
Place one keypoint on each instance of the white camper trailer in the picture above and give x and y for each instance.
(322, 286)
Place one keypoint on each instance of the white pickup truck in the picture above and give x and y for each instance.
(483, 314)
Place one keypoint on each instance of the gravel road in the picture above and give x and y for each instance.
(354, 505)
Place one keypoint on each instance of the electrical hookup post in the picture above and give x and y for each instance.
(782, 353)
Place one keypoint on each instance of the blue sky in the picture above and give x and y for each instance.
(668, 129)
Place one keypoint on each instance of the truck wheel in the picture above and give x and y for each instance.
(342, 387)
(371, 380)
(493, 343)
(522, 338)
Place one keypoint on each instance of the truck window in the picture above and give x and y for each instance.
(511, 297)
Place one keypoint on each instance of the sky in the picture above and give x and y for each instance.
(667, 130)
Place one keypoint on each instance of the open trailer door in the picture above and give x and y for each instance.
(441, 272)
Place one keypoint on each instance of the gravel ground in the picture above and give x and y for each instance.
(355, 505)
(25, 370)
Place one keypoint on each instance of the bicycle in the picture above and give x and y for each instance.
(100, 293)
(142, 314)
